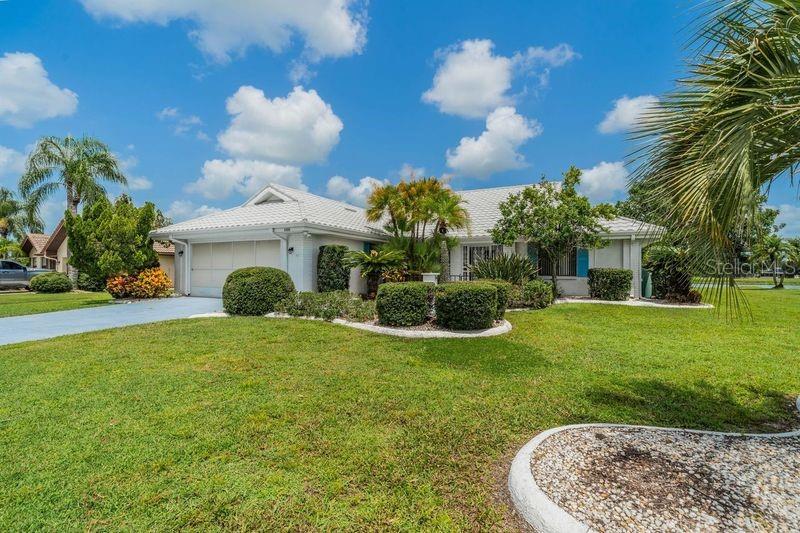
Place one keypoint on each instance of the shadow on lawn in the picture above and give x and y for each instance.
(698, 406)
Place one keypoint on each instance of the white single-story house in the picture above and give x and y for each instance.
(284, 227)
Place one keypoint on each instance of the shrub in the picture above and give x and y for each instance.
(333, 272)
(512, 268)
(255, 290)
(610, 283)
(466, 305)
(51, 282)
(328, 306)
(537, 294)
(151, 283)
(670, 269)
(503, 295)
(403, 304)
(691, 297)
(87, 282)
(120, 286)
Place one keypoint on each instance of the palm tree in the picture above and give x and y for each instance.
(729, 129)
(777, 253)
(76, 165)
(17, 217)
(447, 211)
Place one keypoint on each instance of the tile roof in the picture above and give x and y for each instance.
(278, 205)
(163, 249)
(37, 240)
(288, 206)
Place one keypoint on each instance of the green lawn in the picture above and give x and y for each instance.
(766, 281)
(251, 423)
(29, 303)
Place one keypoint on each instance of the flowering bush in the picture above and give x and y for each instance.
(149, 283)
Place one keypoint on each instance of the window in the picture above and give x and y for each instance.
(10, 265)
(567, 266)
(473, 254)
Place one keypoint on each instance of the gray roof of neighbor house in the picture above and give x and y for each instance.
(278, 206)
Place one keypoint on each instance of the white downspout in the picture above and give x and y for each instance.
(187, 270)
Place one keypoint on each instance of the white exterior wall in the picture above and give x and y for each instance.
(620, 253)
(301, 261)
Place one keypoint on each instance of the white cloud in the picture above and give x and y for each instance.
(329, 28)
(408, 171)
(343, 189)
(12, 164)
(184, 210)
(135, 183)
(471, 80)
(789, 215)
(221, 178)
(626, 113)
(26, 93)
(300, 128)
(604, 181)
(181, 123)
(496, 148)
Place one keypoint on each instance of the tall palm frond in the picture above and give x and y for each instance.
(727, 131)
(18, 216)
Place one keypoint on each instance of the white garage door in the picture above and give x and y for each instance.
(212, 262)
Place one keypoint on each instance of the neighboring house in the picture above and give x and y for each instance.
(50, 251)
(284, 228)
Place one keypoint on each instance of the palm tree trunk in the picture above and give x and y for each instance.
(444, 259)
(72, 204)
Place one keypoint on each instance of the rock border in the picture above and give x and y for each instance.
(546, 516)
(408, 333)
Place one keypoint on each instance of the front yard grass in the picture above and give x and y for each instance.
(29, 303)
(251, 423)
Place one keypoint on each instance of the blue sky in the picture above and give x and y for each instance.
(203, 102)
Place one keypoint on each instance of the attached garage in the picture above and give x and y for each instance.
(212, 262)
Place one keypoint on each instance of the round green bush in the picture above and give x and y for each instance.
(88, 283)
(610, 283)
(466, 305)
(537, 294)
(403, 304)
(503, 295)
(51, 282)
(255, 290)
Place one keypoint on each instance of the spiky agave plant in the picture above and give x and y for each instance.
(512, 268)
(728, 130)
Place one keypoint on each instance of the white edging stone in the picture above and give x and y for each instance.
(545, 515)
(500, 329)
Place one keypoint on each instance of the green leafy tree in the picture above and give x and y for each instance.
(12, 249)
(554, 218)
(777, 254)
(111, 239)
(729, 129)
(18, 216)
(78, 166)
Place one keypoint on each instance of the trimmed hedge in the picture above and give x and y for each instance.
(537, 294)
(88, 283)
(404, 303)
(255, 290)
(328, 306)
(503, 295)
(610, 283)
(333, 274)
(51, 282)
(466, 305)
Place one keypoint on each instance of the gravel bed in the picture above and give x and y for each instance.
(618, 478)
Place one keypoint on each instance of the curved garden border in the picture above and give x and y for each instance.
(500, 329)
(545, 515)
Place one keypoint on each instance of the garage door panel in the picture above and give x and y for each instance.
(244, 254)
(213, 262)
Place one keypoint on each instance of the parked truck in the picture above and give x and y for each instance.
(13, 274)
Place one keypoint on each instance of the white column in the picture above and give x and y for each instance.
(301, 261)
(636, 266)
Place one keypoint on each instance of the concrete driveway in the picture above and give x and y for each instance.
(47, 325)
